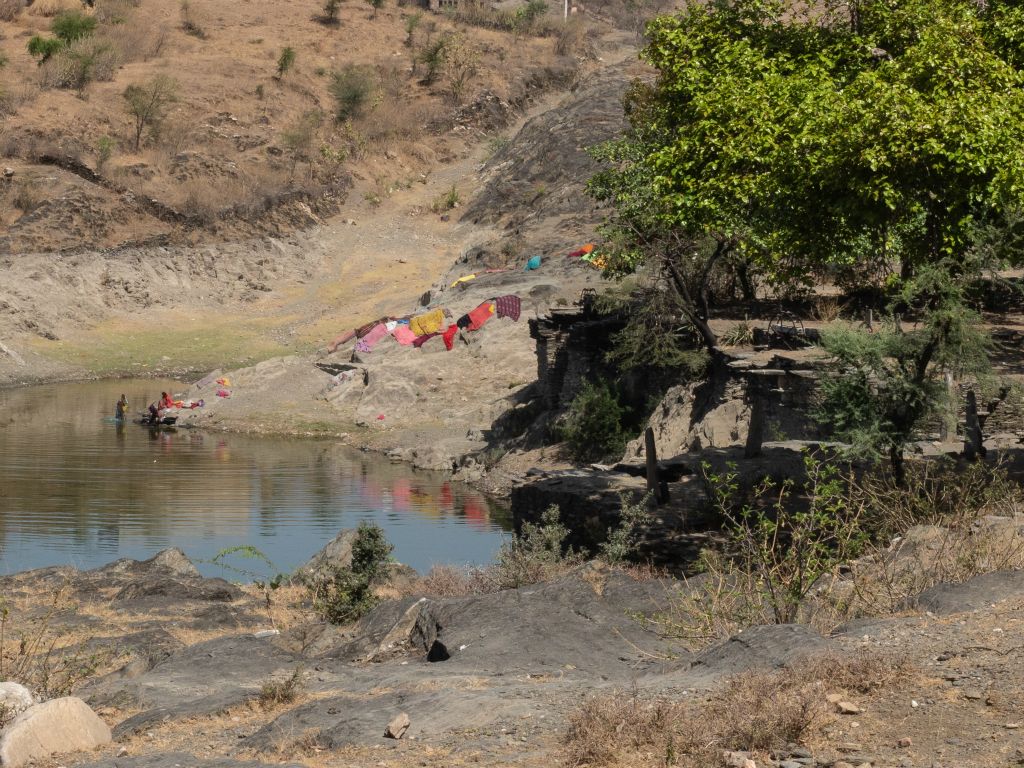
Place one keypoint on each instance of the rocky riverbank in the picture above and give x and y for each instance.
(192, 671)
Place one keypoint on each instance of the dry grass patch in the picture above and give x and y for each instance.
(756, 712)
(276, 693)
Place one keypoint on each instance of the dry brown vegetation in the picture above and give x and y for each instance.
(945, 526)
(222, 148)
(754, 712)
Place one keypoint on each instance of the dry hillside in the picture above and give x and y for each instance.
(243, 148)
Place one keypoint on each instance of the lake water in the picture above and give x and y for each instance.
(77, 489)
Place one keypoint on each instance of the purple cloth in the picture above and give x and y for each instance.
(508, 306)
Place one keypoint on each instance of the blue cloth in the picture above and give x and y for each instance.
(533, 263)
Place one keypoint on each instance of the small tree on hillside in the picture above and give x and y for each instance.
(300, 138)
(351, 88)
(330, 14)
(461, 65)
(376, 5)
(285, 61)
(147, 103)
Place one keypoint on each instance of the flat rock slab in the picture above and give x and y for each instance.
(433, 716)
(201, 679)
(585, 622)
(979, 592)
(59, 725)
(179, 760)
(766, 646)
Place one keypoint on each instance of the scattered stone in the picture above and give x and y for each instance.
(397, 727)
(847, 708)
(738, 760)
(8, 172)
(905, 742)
(59, 725)
(973, 694)
(267, 633)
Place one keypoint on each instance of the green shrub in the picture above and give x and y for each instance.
(376, 5)
(43, 48)
(592, 427)
(341, 594)
(72, 26)
(285, 60)
(411, 24)
(622, 540)
(104, 150)
(351, 88)
(537, 553)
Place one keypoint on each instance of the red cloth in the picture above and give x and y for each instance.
(449, 336)
(481, 315)
(167, 402)
(419, 341)
(588, 248)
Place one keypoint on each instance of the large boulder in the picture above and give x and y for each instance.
(56, 726)
(336, 554)
(14, 699)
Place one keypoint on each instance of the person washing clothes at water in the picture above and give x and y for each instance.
(121, 409)
(157, 409)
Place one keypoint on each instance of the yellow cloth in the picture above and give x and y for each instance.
(464, 279)
(431, 322)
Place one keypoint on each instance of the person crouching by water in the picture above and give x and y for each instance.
(121, 409)
(157, 409)
(166, 402)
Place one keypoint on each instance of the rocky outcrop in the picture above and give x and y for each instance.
(56, 726)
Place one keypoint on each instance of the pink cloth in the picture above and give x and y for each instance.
(403, 335)
(375, 334)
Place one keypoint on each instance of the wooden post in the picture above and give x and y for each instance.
(651, 454)
(973, 440)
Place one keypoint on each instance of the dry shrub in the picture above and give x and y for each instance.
(451, 581)
(37, 652)
(135, 39)
(757, 711)
(827, 309)
(572, 39)
(609, 727)
(308, 744)
(945, 526)
(26, 196)
(82, 62)
(48, 8)
(274, 693)
(10, 9)
(853, 673)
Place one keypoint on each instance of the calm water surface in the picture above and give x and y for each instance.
(77, 489)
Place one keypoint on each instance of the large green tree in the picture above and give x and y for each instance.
(868, 139)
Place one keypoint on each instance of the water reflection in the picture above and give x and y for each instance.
(78, 488)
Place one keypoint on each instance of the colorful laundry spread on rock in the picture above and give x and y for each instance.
(431, 322)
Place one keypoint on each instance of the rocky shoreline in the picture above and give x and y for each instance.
(167, 668)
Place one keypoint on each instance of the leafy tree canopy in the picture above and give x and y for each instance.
(865, 132)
